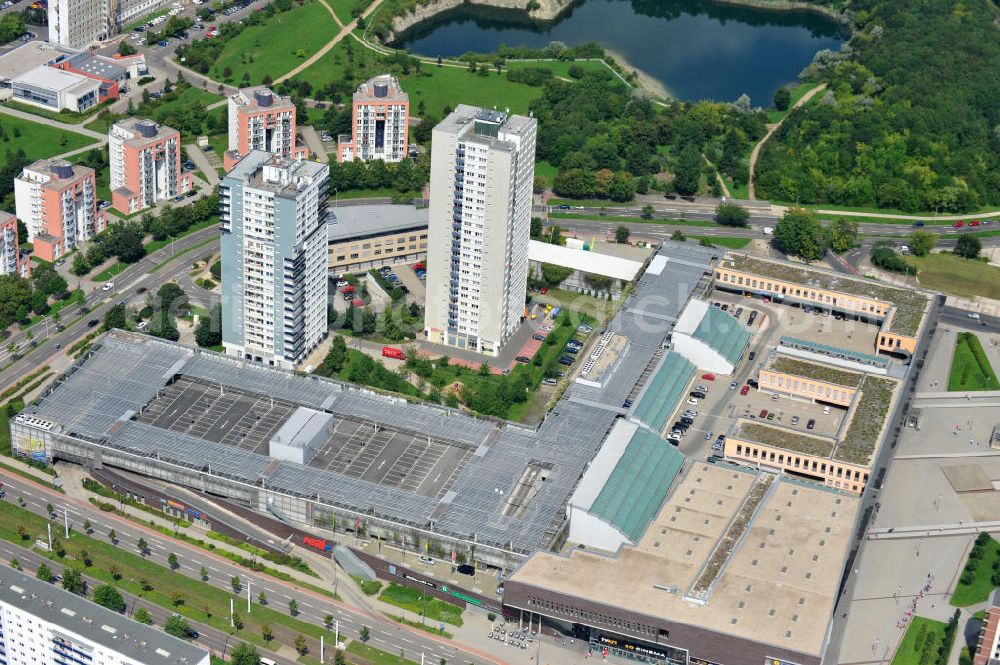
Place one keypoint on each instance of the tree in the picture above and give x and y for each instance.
(87, 527)
(142, 615)
(142, 546)
(177, 626)
(266, 633)
(50, 510)
(678, 235)
(203, 574)
(622, 234)
(125, 49)
(800, 234)
(168, 294)
(536, 227)
(262, 598)
(843, 235)
(687, 174)
(15, 564)
(293, 607)
(108, 596)
(84, 556)
(209, 330)
(115, 572)
(300, 645)
(731, 214)
(73, 581)
(80, 265)
(172, 561)
(968, 247)
(11, 27)
(328, 621)
(116, 317)
(112, 536)
(364, 633)
(244, 654)
(162, 325)
(782, 98)
(336, 357)
(235, 583)
(44, 573)
(922, 242)
(45, 279)
(647, 212)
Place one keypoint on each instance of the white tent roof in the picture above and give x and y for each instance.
(589, 262)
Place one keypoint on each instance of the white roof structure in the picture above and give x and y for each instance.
(57, 80)
(18, 61)
(589, 262)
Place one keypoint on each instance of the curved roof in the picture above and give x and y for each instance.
(663, 391)
(723, 333)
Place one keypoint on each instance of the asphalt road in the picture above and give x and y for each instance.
(98, 302)
(313, 607)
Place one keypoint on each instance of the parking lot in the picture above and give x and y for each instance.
(789, 412)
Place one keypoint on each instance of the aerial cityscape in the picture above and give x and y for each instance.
(399, 332)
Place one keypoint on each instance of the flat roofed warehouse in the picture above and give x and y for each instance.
(771, 592)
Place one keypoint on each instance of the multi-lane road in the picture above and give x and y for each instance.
(313, 607)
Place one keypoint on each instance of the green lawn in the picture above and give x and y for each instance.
(162, 108)
(546, 170)
(364, 193)
(376, 656)
(276, 46)
(923, 636)
(957, 276)
(559, 68)
(38, 141)
(343, 8)
(105, 275)
(70, 117)
(970, 368)
(725, 241)
(981, 586)
(422, 604)
(630, 220)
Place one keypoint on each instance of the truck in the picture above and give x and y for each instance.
(393, 352)
(768, 231)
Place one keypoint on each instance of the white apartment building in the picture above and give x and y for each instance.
(482, 171)
(41, 623)
(274, 258)
(380, 122)
(81, 23)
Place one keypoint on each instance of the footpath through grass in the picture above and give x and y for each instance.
(413, 600)
(37, 140)
(376, 656)
(970, 368)
(276, 46)
(980, 575)
(921, 643)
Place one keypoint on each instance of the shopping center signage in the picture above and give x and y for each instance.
(318, 543)
(632, 647)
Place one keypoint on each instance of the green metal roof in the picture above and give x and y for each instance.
(663, 391)
(636, 487)
(723, 333)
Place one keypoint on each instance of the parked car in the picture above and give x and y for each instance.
(708, 377)
(762, 414)
(466, 569)
(627, 404)
(708, 436)
(733, 385)
(698, 394)
(524, 360)
(549, 381)
(751, 356)
(341, 283)
(566, 360)
(693, 402)
(583, 327)
(795, 420)
(539, 337)
(428, 560)
(811, 423)
(826, 410)
(744, 390)
(770, 416)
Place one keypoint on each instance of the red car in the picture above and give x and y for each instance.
(959, 224)
(975, 222)
(744, 390)
(762, 414)
(544, 290)
(708, 377)
(347, 289)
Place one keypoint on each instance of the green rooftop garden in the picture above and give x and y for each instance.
(815, 371)
(905, 317)
(869, 418)
(784, 438)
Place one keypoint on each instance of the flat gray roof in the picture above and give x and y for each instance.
(97, 398)
(28, 56)
(362, 221)
(80, 617)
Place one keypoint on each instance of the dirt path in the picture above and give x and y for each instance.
(771, 129)
(718, 176)
(344, 31)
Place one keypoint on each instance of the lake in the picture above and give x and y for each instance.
(697, 49)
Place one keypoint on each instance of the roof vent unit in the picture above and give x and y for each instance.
(381, 90)
(61, 169)
(146, 129)
(263, 98)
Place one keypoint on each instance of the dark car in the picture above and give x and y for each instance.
(811, 423)
(92, 323)
(918, 225)
(697, 394)
(564, 207)
(141, 289)
(752, 355)
(627, 404)
(523, 359)
(572, 349)
(466, 569)
(566, 360)
(539, 337)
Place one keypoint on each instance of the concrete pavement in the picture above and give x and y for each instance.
(200, 160)
(317, 149)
